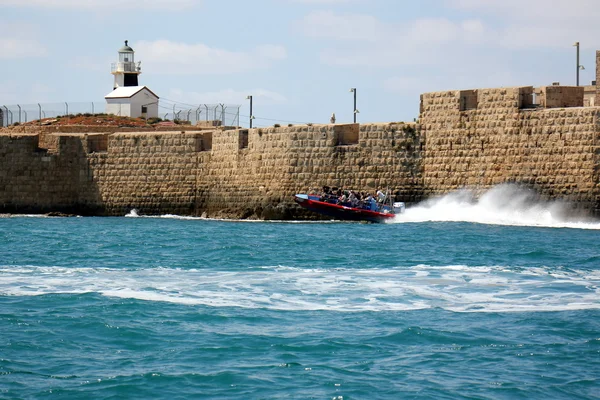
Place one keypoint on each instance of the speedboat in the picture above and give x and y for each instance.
(332, 207)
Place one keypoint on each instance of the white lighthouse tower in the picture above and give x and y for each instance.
(126, 71)
(128, 99)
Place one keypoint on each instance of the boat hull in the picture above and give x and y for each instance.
(340, 212)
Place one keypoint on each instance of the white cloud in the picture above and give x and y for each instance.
(491, 26)
(165, 56)
(364, 40)
(537, 23)
(12, 48)
(561, 10)
(105, 4)
(227, 96)
(319, 2)
(329, 25)
(18, 40)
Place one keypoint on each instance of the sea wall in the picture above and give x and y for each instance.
(234, 173)
(33, 179)
(464, 139)
(505, 137)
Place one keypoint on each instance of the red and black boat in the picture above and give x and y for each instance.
(332, 207)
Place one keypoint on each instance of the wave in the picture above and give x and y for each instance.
(456, 288)
(505, 204)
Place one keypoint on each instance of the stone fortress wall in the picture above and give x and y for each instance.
(542, 138)
(224, 173)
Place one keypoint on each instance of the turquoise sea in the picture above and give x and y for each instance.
(494, 299)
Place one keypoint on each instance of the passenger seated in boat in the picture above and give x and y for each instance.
(380, 196)
(373, 203)
(353, 199)
(325, 193)
(343, 198)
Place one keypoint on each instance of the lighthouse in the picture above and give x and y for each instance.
(126, 71)
(128, 99)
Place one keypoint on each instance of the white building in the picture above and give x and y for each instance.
(132, 101)
(127, 98)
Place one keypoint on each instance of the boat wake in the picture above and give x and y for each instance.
(457, 288)
(505, 204)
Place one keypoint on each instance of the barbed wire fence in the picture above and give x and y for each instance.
(220, 114)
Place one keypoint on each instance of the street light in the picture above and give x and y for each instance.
(353, 90)
(579, 66)
(249, 97)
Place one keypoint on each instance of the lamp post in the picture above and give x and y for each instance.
(353, 90)
(249, 97)
(579, 66)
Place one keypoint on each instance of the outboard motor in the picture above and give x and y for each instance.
(399, 207)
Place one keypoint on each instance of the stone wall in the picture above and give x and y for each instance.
(561, 96)
(469, 138)
(553, 151)
(34, 180)
(236, 173)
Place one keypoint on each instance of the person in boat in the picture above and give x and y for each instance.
(366, 202)
(353, 199)
(325, 193)
(344, 198)
(380, 196)
(374, 205)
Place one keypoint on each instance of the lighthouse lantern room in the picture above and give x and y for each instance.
(126, 70)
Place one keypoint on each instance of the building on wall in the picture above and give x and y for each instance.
(132, 101)
(128, 99)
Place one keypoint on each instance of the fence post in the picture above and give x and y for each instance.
(67, 110)
(205, 106)
(92, 107)
(25, 115)
(19, 107)
(40, 120)
(223, 114)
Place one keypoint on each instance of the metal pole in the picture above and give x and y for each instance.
(355, 111)
(11, 117)
(354, 105)
(25, 112)
(205, 106)
(40, 106)
(577, 46)
(19, 107)
(92, 107)
(6, 113)
(251, 115)
(173, 112)
(222, 114)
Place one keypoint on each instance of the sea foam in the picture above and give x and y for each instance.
(453, 287)
(504, 204)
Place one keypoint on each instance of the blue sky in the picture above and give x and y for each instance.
(297, 58)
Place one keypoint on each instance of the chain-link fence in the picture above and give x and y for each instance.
(223, 114)
(226, 114)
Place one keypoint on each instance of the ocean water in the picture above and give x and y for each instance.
(494, 299)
